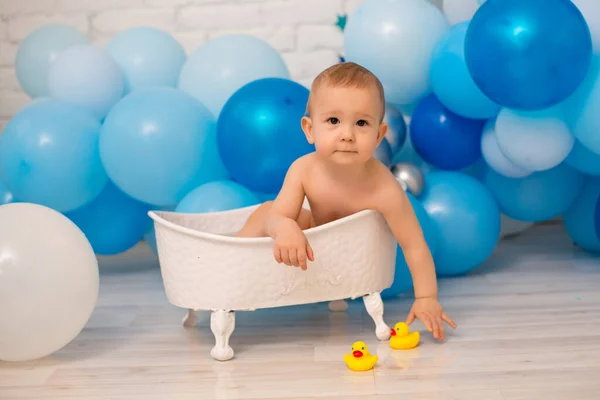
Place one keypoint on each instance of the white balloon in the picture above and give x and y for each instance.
(511, 227)
(457, 11)
(493, 156)
(48, 281)
(590, 9)
(534, 140)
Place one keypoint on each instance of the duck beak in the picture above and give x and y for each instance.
(393, 332)
(357, 354)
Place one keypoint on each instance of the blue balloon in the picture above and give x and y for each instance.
(86, 77)
(113, 222)
(466, 217)
(5, 195)
(582, 109)
(402, 277)
(259, 132)
(583, 159)
(147, 57)
(579, 219)
(397, 129)
(217, 196)
(528, 54)
(383, 153)
(221, 66)
(157, 144)
(444, 139)
(451, 81)
(395, 40)
(37, 52)
(597, 218)
(537, 197)
(49, 155)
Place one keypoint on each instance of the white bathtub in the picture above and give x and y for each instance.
(205, 268)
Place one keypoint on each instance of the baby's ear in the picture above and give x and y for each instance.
(383, 128)
(307, 128)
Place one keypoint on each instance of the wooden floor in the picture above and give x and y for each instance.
(528, 328)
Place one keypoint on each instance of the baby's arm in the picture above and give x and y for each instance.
(291, 246)
(395, 206)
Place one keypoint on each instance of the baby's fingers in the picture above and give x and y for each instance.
(302, 259)
(439, 328)
(309, 252)
(448, 320)
(294, 257)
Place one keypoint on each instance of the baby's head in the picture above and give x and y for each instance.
(345, 112)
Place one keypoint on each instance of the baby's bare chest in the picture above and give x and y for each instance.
(330, 203)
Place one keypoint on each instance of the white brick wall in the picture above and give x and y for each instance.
(303, 31)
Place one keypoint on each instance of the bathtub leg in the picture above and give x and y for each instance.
(374, 306)
(190, 319)
(222, 324)
(338, 305)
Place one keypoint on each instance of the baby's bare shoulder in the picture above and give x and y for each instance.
(388, 190)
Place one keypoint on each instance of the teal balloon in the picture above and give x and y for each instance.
(402, 276)
(157, 144)
(451, 81)
(579, 218)
(148, 57)
(583, 159)
(217, 196)
(466, 217)
(38, 51)
(537, 197)
(221, 66)
(582, 109)
(395, 40)
(5, 195)
(49, 155)
(113, 222)
(87, 77)
(528, 54)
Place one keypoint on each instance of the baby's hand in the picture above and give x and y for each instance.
(291, 246)
(430, 312)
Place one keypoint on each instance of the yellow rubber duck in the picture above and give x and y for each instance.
(402, 338)
(360, 360)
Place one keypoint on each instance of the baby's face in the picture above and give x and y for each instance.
(345, 123)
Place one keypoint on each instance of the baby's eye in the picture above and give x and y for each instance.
(362, 122)
(333, 120)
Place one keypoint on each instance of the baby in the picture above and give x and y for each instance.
(344, 121)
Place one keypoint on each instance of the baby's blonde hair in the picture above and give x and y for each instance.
(347, 74)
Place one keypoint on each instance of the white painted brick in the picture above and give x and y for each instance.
(3, 29)
(351, 5)
(191, 40)
(305, 65)
(240, 16)
(8, 79)
(12, 7)
(282, 38)
(97, 5)
(115, 21)
(290, 12)
(22, 25)
(317, 37)
(179, 3)
(11, 103)
(8, 53)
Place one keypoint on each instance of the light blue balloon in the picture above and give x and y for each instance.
(221, 66)
(217, 196)
(451, 81)
(147, 57)
(583, 159)
(49, 155)
(467, 219)
(579, 218)
(534, 140)
(113, 222)
(583, 106)
(87, 77)
(5, 195)
(395, 40)
(538, 197)
(402, 277)
(37, 52)
(157, 144)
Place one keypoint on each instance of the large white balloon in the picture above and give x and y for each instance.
(494, 158)
(48, 281)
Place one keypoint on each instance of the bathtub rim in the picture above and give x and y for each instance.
(156, 217)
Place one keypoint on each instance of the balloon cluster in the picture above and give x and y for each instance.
(503, 97)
